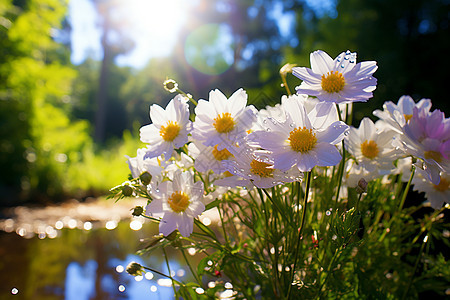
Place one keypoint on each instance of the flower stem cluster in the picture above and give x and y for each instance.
(241, 188)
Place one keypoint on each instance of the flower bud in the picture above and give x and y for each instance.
(172, 235)
(362, 186)
(134, 269)
(287, 68)
(127, 190)
(145, 178)
(137, 211)
(170, 85)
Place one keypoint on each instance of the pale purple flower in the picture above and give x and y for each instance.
(424, 134)
(304, 140)
(341, 80)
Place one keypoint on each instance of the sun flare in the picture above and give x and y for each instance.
(156, 25)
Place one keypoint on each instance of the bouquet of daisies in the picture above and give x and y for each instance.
(307, 206)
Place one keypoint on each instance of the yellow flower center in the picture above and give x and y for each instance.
(443, 185)
(369, 149)
(224, 123)
(178, 201)
(227, 174)
(261, 168)
(407, 117)
(170, 131)
(221, 154)
(433, 155)
(302, 139)
(333, 82)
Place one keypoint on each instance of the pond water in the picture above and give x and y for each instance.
(83, 260)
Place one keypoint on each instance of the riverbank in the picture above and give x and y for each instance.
(44, 221)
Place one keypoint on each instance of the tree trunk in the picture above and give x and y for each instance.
(102, 93)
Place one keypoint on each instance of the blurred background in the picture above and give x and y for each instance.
(77, 78)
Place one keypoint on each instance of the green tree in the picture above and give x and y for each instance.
(38, 139)
(114, 41)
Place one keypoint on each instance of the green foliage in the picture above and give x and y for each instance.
(364, 249)
(46, 150)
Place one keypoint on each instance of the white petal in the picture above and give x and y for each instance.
(150, 134)
(218, 101)
(237, 102)
(321, 62)
(185, 225)
(154, 209)
(168, 224)
(307, 75)
(327, 155)
(284, 160)
(311, 90)
(323, 115)
(333, 134)
(297, 112)
(307, 161)
(158, 115)
(367, 129)
(196, 208)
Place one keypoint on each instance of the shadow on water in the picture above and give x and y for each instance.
(87, 263)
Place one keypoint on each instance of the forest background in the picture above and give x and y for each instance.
(66, 128)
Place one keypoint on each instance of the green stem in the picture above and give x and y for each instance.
(162, 274)
(305, 201)
(342, 164)
(283, 78)
(225, 235)
(357, 202)
(190, 267)
(415, 267)
(405, 192)
(340, 172)
(206, 230)
(170, 273)
(188, 96)
(319, 291)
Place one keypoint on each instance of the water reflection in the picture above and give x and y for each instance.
(87, 262)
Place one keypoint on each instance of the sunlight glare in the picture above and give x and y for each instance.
(155, 26)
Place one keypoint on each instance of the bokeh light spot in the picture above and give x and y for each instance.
(209, 49)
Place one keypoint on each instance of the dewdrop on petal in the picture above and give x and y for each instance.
(170, 85)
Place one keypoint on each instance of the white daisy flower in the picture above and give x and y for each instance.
(304, 140)
(397, 115)
(424, 134)
(177, 203)
(436, 194)
(154, 166)
(170, 128)
(356, 172)
(254, 167)
(372, 147)
(403, 168)
(341, 80)
(139, 164)
(221, 121)
(208, 158)
(180, 161)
